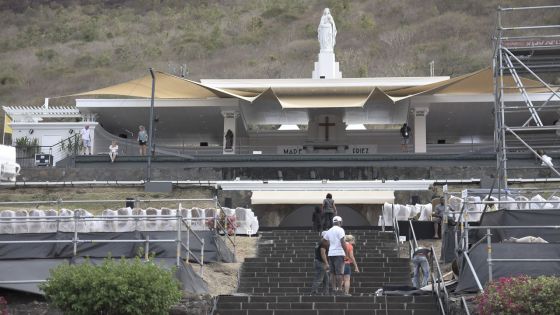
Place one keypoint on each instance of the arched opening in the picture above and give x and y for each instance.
(301, 217)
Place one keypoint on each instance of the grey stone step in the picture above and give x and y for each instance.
(311, 262)
(311, 273)
(329, 298)
(325, 305)
(355, 279)
(380, 267)
(307, 284)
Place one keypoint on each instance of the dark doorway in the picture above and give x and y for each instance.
(301, 217)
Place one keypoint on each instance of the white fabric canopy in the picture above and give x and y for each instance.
(316, 197)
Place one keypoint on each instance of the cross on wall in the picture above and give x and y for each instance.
(326, 124)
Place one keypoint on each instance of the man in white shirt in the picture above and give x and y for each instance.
(86, 140)
(337, 252)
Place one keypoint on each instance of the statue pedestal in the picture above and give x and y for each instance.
(326, 67)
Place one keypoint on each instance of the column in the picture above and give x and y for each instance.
(419, 131)
(230, 135)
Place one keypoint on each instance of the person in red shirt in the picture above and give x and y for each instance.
(349, 260)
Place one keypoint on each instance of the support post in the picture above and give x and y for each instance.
(147, 248)
(202, 259)
(75, 238)
(489, 249)
(419, 132)
(151, 128)
(179, 219)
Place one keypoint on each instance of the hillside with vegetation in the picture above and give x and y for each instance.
(53, 48)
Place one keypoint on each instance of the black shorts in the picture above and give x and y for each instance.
(142, 142)
(336, 263)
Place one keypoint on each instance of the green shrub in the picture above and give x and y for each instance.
(521, 295)
(114, 287)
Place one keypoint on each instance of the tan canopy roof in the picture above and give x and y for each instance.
(167, 87)
(172, 87)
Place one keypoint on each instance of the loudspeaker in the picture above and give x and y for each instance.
(43, 159)
(228, 202)
(414, 200)
(129, 203)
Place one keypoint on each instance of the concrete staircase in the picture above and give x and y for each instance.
(279, 279)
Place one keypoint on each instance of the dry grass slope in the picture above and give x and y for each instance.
(53, 48)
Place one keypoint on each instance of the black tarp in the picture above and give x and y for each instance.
(39, 269)
(29, 261)
(214, 248)
(521, 217)
(479, 255)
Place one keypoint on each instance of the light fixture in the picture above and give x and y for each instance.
(288, 127)
(31, 131)
(356, 127)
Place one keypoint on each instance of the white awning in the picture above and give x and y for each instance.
(263, 197)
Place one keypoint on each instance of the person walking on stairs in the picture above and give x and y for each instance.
(349, 260)
(321, 266)
(420, 261)
(316, 218)
(329, 211)
(337, 252)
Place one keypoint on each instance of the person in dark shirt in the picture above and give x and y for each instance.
(405, 133)
(321, 266)
(316, 219)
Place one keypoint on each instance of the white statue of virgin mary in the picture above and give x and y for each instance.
(327, 31)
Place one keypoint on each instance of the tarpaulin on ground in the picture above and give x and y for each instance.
(479, 256)
(521, 218)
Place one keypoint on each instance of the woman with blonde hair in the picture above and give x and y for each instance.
(348, 261)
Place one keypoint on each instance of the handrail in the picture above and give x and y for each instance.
(396, 230)
(465, 305)
(224, 228)
(439, 280)
(413, 235)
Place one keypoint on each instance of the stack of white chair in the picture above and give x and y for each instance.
(51, 225)
(247, 222)
(125, 222)
(197, 219)
(537, 202)
(20, 224)
(413, 211)
(387, 218)
(168, 224)
(186, 214)
(473, 208)
(7, 223)
(36, 226)
(554, 202)
(109, 222)
(140, 223)
(425, 212)
(66, 217)
(402, 212)
(153, 224)
(509, 203)
(522, 202)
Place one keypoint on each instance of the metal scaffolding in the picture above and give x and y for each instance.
(526, 107)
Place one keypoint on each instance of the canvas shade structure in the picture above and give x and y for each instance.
(167, 87)
(309, 93)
